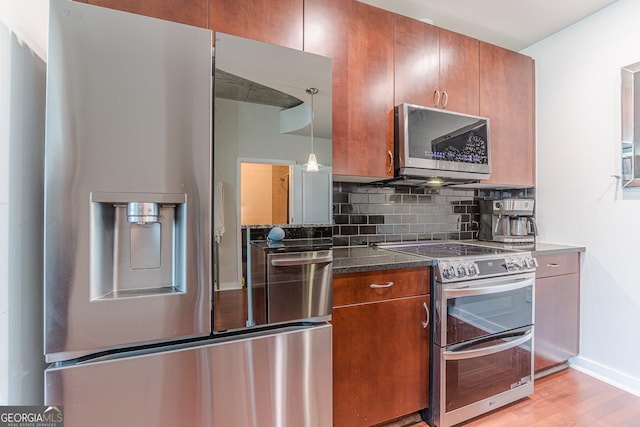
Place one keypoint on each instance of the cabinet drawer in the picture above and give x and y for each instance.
(558, 264)
(356, 288)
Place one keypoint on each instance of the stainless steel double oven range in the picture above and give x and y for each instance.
(483, 321)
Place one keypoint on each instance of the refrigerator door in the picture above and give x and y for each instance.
(275, 379)
(127, 181)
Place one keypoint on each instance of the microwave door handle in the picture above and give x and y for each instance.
(485, 290)
(471, 354)
(289, 262)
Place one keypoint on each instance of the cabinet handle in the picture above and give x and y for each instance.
(390, 154)
(385, 285)
(426, 309)
(436, 98)
(553, 265)
(445, 100)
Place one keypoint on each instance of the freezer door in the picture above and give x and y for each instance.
(127, 181)
(278, 379)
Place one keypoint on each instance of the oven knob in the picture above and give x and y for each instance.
(448, 271)
(452, 271)
(462, 271)
(509, 265)
(518, 264)
(472, 270)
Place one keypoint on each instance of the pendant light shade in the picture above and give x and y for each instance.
(312, 163)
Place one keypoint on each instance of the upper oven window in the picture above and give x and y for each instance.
(473, 316)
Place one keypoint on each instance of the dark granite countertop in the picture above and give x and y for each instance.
(537, 248)
(358, 259)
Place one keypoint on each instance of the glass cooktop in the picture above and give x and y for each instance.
(440, 250)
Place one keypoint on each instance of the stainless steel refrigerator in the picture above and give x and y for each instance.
(128, 271)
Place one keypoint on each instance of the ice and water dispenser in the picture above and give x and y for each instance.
(138, 244)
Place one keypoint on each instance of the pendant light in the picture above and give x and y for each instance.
(312, 163)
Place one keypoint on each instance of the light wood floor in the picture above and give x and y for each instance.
(568, 398)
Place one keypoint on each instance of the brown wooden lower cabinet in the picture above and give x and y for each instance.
(557, 317)
(380, 349)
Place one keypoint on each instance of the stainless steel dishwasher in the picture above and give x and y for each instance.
(291, 281)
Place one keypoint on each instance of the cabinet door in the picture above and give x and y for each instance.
(434, 66)
(416, 50)
(370, 93)
(272, 21)
(191, 12)
(459, 68)
(557, 320)
(380, 361)
(507, 97)
(326, 29)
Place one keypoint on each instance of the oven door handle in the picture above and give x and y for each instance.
(288, 262)
(471, 354)
(491, 289)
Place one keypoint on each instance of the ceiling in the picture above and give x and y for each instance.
(513, 24)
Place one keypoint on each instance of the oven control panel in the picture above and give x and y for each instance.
(520, 263)
(455, 270)
(458, 269)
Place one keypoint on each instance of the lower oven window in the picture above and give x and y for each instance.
(469, 380)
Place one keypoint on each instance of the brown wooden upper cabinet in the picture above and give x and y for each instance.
(435, 67)
(326, 29)
(507, 98)
(191, 12)
(271, 21)
(370, 92)
(359, 38)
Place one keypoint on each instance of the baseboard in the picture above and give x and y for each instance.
(603, 373)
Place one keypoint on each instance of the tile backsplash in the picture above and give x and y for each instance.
(368, 213)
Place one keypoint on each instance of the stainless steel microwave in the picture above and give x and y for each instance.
(441, 146)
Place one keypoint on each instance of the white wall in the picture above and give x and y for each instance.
(578, 137)
(23, 29)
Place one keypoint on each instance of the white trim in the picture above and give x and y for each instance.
(603, 373)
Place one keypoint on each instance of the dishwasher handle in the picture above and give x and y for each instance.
(289, 262)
